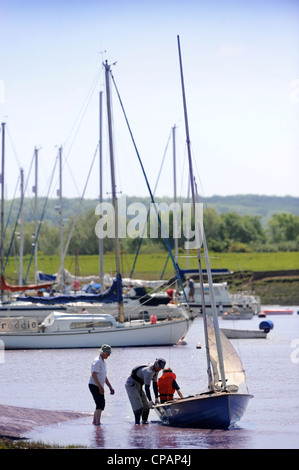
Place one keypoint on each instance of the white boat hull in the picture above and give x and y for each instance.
(159, 334)
(243, 334)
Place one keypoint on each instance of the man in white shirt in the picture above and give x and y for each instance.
(97, 381)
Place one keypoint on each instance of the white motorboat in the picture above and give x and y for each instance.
(246, 303)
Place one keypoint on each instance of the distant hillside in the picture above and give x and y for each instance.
(251, 204)
(243, 204)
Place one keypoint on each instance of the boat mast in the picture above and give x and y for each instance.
(2, 204)
(113, 184)
(215, 319)
(175, 212)
(35, 190)
(21, 229)
(101, 250)
(61, 269)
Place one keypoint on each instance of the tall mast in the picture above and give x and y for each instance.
(60, 217)
(35, 212)
(113, 184)
(2, 203)
(101, 250)
(175, 212)
(21, 230)
(214, 311)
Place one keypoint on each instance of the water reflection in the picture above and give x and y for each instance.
(158, 436)
(98, 439)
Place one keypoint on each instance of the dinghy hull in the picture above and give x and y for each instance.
(206, 411)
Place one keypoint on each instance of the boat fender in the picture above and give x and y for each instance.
(266, 325)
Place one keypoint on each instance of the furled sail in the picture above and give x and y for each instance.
(233, 367)
(113, 294)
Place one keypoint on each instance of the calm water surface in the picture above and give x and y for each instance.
(58, 380)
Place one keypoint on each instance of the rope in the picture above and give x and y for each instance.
(150, 191)
(40, 224)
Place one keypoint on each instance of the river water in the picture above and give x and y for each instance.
(57, 380)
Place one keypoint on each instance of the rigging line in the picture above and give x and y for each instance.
(141, 239)
(13, 147)
(7, 221)
(72, 176)
(205, 203)
(40, 223)
(14, 231)
(11, 206)
(27, 180)
(79, 209)
(163, 159)
(83, 109)
(198, 176)
(80, 118)
(150, 191)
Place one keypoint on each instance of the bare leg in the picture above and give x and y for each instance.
(97, 417)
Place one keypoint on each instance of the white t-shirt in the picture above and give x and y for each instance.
(98, 366)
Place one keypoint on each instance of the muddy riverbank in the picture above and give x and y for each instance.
(17, 421)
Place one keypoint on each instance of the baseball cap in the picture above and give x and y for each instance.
(161, 363)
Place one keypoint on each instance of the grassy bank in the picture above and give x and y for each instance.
(152, 266)
(12, 444)
(272, 289)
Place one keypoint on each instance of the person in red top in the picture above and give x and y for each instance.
(167, 386)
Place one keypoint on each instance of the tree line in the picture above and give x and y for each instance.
(225, 232)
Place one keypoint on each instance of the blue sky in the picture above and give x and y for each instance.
(242, 84)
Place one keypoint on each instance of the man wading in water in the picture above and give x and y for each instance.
(143, 375)
(97, 381)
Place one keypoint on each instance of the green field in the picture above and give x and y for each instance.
(151, 266)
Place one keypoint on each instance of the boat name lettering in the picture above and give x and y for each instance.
(18, 324)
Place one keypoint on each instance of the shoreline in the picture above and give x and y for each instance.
(16, 421)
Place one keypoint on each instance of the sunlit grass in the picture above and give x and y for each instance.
(155, 265)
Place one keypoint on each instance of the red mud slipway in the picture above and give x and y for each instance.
(16, 421)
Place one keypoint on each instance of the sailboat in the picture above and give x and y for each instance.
(63, 330)
(224, 401)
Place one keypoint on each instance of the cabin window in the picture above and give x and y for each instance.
(89, 324)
